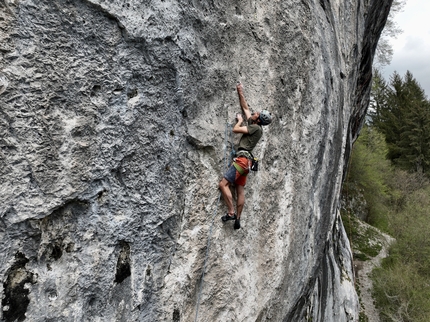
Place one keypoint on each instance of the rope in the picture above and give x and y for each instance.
(205, 262)
(233, 151)
(226, 162)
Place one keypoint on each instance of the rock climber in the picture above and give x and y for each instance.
(238, 171)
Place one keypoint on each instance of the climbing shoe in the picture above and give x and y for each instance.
(228, 217)
(237, 223)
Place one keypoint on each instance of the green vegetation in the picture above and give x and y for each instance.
(388, 186)
(401, 112)
(362, 317)
(369, 173)
(401, 285)
(363, 239)
(398, 203)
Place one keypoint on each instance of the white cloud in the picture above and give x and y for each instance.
(414, 44)
(412, 47)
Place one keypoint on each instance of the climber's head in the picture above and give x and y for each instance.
(262, 118)
(265, 117)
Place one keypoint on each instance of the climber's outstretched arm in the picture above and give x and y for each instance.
(242, 101)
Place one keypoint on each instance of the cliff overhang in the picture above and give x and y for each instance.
(115, 127)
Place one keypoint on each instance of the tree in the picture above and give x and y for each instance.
(402, 113)
(384, 51)
(414, 139)
(378, 96)
(388, 112)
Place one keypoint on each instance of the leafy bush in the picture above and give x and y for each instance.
(369, 171)
(398, 202)
(363, 238)
(401, 292)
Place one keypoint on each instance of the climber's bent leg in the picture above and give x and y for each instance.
(224, 186)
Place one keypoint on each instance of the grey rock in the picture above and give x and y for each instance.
(114, 134)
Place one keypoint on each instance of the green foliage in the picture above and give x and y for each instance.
(399, 203)
(411, 226)
(368, 172)
(401, 293)
(401, 112)
(362, 238)
(362, 317)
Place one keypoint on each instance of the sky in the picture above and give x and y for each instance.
(412, 46)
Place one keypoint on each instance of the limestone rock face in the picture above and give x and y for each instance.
(115, 128)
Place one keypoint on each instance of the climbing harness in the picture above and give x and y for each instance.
(244, 153)
(228, 128)
(254, 164)
(249, 156)
(240, 169)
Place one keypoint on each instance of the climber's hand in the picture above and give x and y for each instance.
(239, 87)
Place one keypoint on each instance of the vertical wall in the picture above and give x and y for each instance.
(114, 118)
